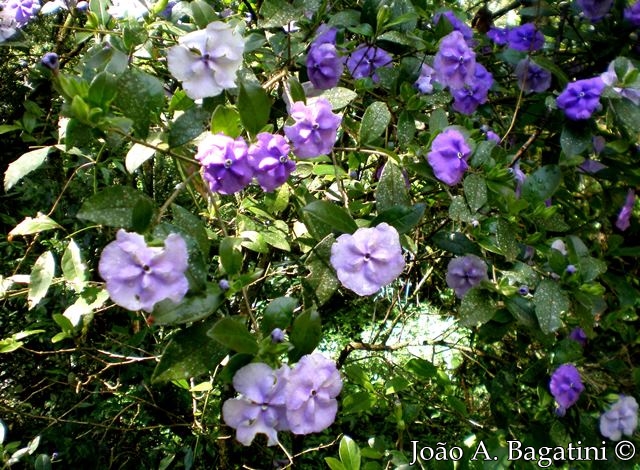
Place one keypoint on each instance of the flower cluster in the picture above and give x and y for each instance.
(315, 129)
(14, 14)
(464, 273)
(467, 99)
(566, 387)
(301, 399)
(623, 221)
(369, 259)
(595, 10)
(138, 276)
(448, 156)
(525, 38)
(365, 60)
(324, 64)
(532, 77)
(206, 61)
(621, 418)
(581, 98)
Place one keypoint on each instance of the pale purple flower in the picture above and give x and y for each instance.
(591, 166)
(493, 137)
(448, 156)
(581, 98)
(559, 245)
(277, 335)
(269, 157)
(324, 63)
(369, 259)
(424, 82)
(138, 276)
(519, 177)
(22, 11)
(315, 130)
(465, 272)
(532, 77)
(260, 407)
(523, 290)
(206, 61)
(454, 62)
(311, 391)
(525, 38)
(224, 284)
(611, 79)
(623, 221)
(632, 13)
(595, 10)
(571, 269)
(499, 36)
(457, 23)
(467, 99)
(578, 335)
(621, 418)
(225, 162)
(565, 386)
(365, 60)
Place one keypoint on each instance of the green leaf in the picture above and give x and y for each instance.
(102, 90)
(137, 155)
(438, 121)
(475, 191)
(506, 239)
(82, 310)
(142, 215)
(375, 120)
(321, 282)
(339, 97)
(392, 188)
(40, 278)
(297, 92)
(334, 464)
(73, 269)
(231, 255)
(402, 218)
(551, 302)
(541, 185)
(203, 13)
(575, 139)
(254, 106)
(476, 308)
(406, 129)
(99, 10)
(140, 98)
(25, 164)
(459, 210)
(226, 120)
(278, 314)
(5, 129)
(422, 368)
(233, 334)
(192, 225)
(113, 206)
(628, 114)
(279, 13)
(323, 217)
(192, 308)
(349, 453)
(31, 225)
(456, 243)
(306, 333)
(190, 353)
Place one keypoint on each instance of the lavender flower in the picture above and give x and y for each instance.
(51, 61)
(623, 221)
(581, 98)
(260, 408)
(454, 62)
(621, 418)
(599, 143)
(532, 77)
(632, 13)
(595, 10)
(139, 276)
(578, 335)
(519, 176)
(571, 269)
(311, 391)
(466, 100)
(21, 11)
(499, 36)
(315, 128)
(269, 157)
(591, 167)
(226, 166)
(559, 246)
(457, 23)
(277, 335)
(566, 387)
(464, 273)
(525, 38)
(523, 290)
(424, 83)
(369, 259)
(493, 137)
(610, 78)
(365, 60)
(324, 64)
(206, 61)
(448, 156)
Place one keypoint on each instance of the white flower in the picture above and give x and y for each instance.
(206, 61)
(128, 8)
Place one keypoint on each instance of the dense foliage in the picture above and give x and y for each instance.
(355, 234)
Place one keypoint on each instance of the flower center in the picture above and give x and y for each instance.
(581, 94)
(283, 159)
(461, 59)
(228, 163)
(367, 256)
(146, 268)
(460, 155)
(315, 126)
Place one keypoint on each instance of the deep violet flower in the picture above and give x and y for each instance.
(315, 129)
(269, 157)
(365, 60)
(578, 335)
(454, 62)
(324, 63)
(621, 418)
(623, 221)
(464, 273)
(525, 38)
(467, 99)
(226, 166)
(581, 98)
(532, 77)
(448, 156)
(566, 387)
(595, 10)
(499, 36)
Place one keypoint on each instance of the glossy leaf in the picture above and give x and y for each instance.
(233, 334)
(24, 165)
(392, 188)
(192, 308)
(402, 218)
(349, 453)
(254, 106)
(278, 314)
(375, 121)
(551, 303)
(323, 217)
(541, 185)
(41, 278)
(113, 206)
(31, 225)
(73, 269)
(306, 333)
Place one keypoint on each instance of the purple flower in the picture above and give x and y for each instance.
(467, 99)
(559, 246)
(311, 391)
(532, 77)
(624, 216)
(566, 387)
(139, 276)
(581, 98)
(260, 408)
(224, 284)
(22, 11)
(277, 335)
(523, 290)
(51, 61)
(324, 64)
(424, 83)
(465, 272)
(226, 166)
(591, 166)
(315, 128)
(595, 10)
(519, 176)
(269, 157)
(599, 143)
(499, 36)
(369, 259)
(610, 78)
(454, 62)
(632, 13)
(621, 418)
(578, 335)
(571, 269)
(457, 23)
(493, 137)
(525, 38)
(365, 60)
(448, 156)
